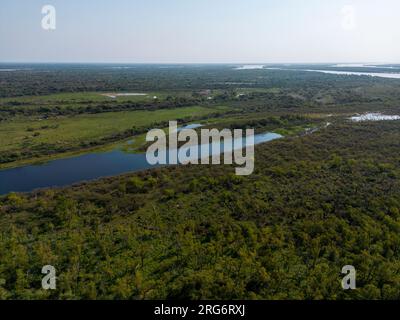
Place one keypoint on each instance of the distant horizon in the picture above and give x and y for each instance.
(197, 63)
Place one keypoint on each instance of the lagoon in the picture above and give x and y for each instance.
(374, 117)
(82, 168)
(346, 73)
(350, 73)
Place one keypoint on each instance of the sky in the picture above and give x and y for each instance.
(201, 31)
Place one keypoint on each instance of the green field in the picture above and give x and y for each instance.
(71, 133)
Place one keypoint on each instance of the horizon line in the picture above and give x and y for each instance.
(192, 63)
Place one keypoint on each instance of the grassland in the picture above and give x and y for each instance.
(79, 132)
(38, 128)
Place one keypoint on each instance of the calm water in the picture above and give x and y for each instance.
(250, 67)
(82, 168)
(374, 117)
(190, 126)
(347, 73)
(371, 74)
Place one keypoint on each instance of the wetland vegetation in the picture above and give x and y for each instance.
(325, 196)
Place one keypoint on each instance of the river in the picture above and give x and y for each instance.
(68, 171)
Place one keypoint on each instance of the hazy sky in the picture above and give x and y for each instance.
(208, 31)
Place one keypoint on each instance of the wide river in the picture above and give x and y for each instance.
(86, 167)
(389, 75)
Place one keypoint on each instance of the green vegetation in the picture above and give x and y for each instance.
(24, 138)
(202, 232)
(317, 201)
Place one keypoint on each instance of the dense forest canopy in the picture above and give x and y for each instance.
(38, 79)
(314, 204)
